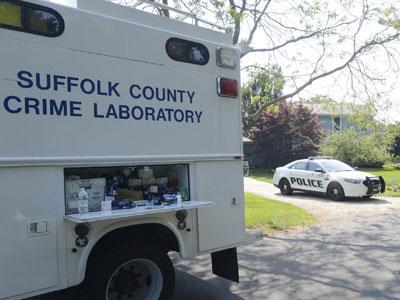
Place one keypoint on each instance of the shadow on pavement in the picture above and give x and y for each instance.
(322, 198)
(194, 288)
(187, 287)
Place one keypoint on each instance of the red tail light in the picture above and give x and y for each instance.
(227, 87)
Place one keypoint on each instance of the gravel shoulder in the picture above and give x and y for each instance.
(323, 208)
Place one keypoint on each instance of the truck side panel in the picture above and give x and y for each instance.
(142, 101)
(222, 224)
(129, 102)
(28, 252)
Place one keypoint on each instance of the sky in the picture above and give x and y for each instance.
(339, 85)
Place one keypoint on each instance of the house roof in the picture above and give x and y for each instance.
(341, 109)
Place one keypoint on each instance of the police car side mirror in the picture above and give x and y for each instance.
(319, 170)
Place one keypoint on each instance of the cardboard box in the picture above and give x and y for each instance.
(123, 194)
(95, 188)
(148, 180)
(134, 182)
(162, 181)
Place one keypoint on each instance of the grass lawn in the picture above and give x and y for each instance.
(262, 174)
(391, 176)
(271, 215)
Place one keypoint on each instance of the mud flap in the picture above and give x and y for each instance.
(225, 264)
(383, 185)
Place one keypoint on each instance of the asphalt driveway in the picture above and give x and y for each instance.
(347, 259)
(353, 253)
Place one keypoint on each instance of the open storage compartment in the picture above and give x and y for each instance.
(122, 191)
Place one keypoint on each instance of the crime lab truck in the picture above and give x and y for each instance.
(120, 141)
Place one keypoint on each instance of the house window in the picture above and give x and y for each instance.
(336, 124)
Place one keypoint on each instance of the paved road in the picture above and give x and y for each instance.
(347, 256)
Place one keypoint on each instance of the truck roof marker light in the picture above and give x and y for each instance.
(227, 58)
(227, 87)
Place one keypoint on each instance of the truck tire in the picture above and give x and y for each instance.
(335, 192)
(284, 186)
(133, 271)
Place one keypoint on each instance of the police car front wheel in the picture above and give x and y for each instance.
(335, 191)
(284, 186)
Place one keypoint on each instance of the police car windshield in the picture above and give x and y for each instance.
(335, 166)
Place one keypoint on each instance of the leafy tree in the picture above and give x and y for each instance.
(393, 140)
(317, 38)
(264, 86)
(285, 132)
(395, 149)
(356, 149)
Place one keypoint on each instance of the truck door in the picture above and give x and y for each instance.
(28, 255)
(223, 224)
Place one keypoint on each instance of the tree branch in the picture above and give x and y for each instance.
(366, 47)
(257, 21)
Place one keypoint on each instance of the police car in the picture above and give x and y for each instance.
(327, 176)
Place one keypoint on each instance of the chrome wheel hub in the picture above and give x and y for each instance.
(135, 279)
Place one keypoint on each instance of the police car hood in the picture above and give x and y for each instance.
(352, 174)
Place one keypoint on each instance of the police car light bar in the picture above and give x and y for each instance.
(227, 87)
(319, 157)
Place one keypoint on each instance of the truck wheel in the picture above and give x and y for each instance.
(139, 271)
(335, 192)
(284, 186)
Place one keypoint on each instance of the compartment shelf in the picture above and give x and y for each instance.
(134, 212)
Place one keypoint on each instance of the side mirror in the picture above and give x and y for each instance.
(356, 168)
(319, 170)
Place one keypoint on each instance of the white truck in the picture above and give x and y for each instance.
(141, 114)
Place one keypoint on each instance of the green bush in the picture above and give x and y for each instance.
(393, 141)
(356, 149)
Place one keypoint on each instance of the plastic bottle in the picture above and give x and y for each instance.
(178, 199)
(83, 201)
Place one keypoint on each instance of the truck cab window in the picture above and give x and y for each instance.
(30, 18)
(187, 51)
(43, 21)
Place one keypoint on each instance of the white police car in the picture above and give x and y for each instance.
(327, 176)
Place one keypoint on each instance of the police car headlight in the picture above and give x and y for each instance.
(350, 180)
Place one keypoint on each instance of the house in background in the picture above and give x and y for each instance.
(333, 121)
